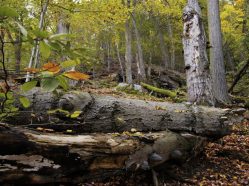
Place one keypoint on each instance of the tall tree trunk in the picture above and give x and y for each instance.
(195, 56)
(216, 53)
(172, 45)
(120, 62)
(35, 50)
(63, 28)
(108, 56)
(139, 49)
(163, 47)
(128, 51)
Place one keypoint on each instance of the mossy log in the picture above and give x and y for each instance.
(31, 157)
(169, 93)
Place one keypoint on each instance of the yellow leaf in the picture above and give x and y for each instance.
(76, 75)
(51, 67)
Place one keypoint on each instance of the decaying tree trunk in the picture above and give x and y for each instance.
(196, 62)
(101, 113)
(29, 157)
(111, 135)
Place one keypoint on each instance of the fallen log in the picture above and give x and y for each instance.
(101, 113)
(31, 157)
(168, 93)
(109, 136)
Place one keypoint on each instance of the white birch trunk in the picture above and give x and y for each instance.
(195, 56)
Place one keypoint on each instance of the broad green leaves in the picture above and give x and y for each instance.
(63, 82)
(29, 85)
(45, 49)
(49, 84)
(7, 12)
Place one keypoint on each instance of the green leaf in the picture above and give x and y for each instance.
(59, 36)
(69, 63)
(75, 114)
(49, 84)
(22, 29)
(7, 12)
(25, 102)
(29, 85)
(10, 95)
(63, 82)
(40, 33)
(55, 45)
(45, 49)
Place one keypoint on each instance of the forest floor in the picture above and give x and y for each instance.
(223, 162)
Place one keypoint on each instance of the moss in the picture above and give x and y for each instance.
(168, 93)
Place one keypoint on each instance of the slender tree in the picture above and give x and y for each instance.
(35, 50)
(139, 49)
(195, 56)
(128, 51)
(163, 47)
(216, 53)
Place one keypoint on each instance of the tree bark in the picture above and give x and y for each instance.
(216, 54)
(139, 49)
(163, 47)
(120, 63)
(110, 114)
(172, 47)
(33, 157)
(195, 56)
(128, 51)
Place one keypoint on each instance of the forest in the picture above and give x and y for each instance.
(124, 92)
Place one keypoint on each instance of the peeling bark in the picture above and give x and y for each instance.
(196, 62)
